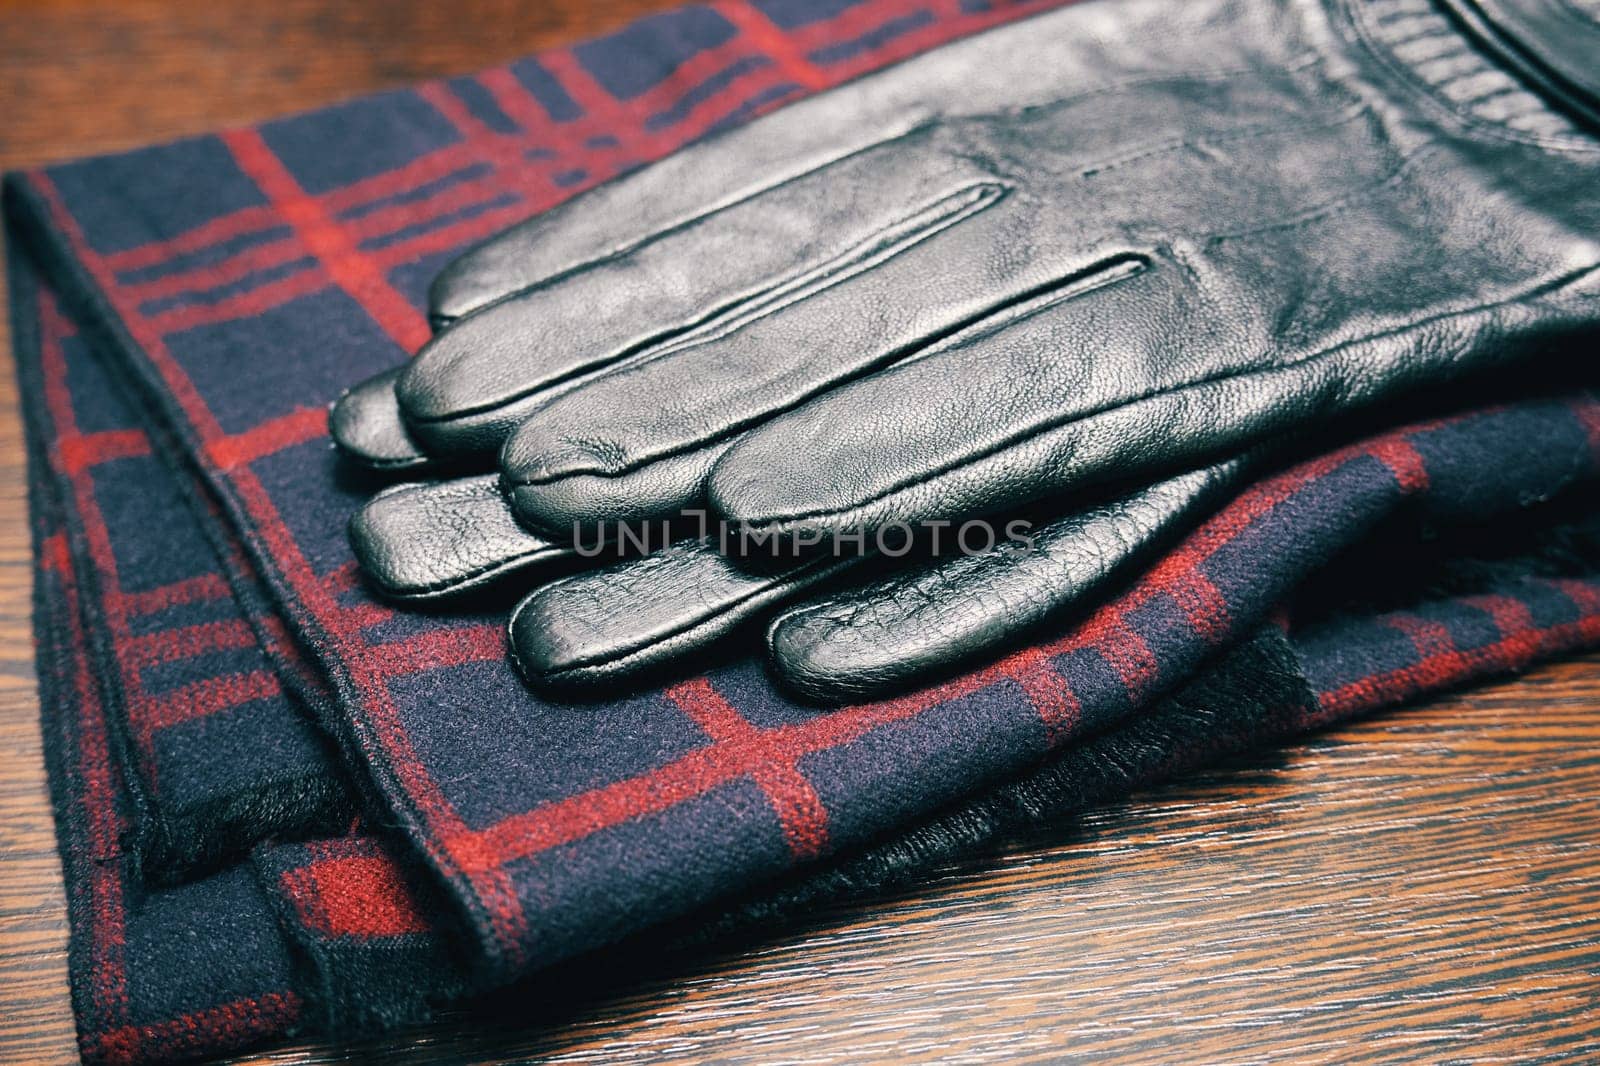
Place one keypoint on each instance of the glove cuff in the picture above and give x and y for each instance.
(1553, 45)
(1504, 62)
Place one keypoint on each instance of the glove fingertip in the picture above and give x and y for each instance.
(558, 649)
(373, 543)
(805, 653)
(465, 286)
(366, 425)
(746, 485)
(537, 657)
(433, 541)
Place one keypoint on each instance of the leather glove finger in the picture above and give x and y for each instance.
(912, 626)
(620, 624)
(429, 541)
(366, 426)
(612, 625)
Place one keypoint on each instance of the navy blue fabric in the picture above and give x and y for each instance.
(215, 752)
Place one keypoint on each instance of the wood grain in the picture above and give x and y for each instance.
(1421, 886)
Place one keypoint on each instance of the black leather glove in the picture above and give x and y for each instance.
(1121, 237)
(1130, 234)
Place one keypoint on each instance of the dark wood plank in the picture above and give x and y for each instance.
(1425, 884)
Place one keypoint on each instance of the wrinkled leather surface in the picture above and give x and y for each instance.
(366, 424)
(863, 637)
(623, 622)
(1196, 225)
(1122, 238)
(427, 541)
(916, 624)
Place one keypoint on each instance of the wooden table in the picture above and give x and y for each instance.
(1423, 885)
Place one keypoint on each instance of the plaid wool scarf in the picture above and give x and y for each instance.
(285, 805)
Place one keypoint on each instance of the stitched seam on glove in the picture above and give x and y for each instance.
(776, 294)
(1304, 62)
